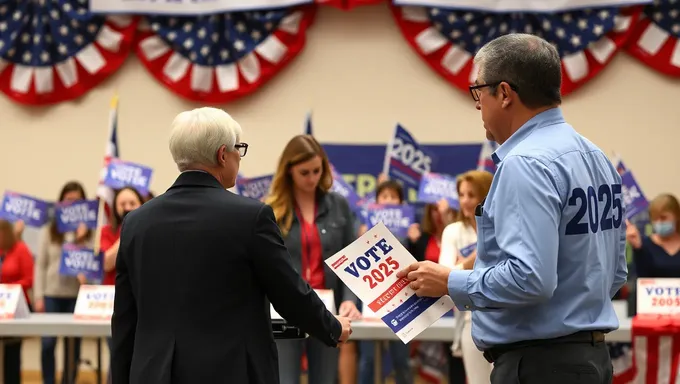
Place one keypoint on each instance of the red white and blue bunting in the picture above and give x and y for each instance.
(655, 40)
(57, 50)
(217, 58)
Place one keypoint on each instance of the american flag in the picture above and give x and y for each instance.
(52, 51)
(656, 39)
(485, 162)
(447, 34)
(111, 152)
(219, 57)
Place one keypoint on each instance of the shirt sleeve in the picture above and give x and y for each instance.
(621, 275)
(526, 217)
(107, 239)
(448, 252)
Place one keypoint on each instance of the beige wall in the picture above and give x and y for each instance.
(360, 77)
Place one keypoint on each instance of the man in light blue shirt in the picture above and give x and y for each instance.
(551, 232)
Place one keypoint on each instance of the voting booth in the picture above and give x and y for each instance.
(655, 333)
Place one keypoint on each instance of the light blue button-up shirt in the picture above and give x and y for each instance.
(551, 239)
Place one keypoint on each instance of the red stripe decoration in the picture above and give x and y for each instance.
(656, 350)
(655, 40)
(453, 62)
(232, 79)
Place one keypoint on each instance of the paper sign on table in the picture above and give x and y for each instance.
(369, 268)
(658, 296)
(326, 295)
(12, 302)
(95, 302)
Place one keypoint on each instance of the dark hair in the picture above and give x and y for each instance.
(149, 195)
(71, 186)
(390, 185)
(116, 219)
(528, 63)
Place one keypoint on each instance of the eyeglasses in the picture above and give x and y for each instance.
(242, 148)
(474, 89)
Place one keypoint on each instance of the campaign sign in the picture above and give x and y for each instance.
(341, 187)
(12, 302)
(95, 302)
(405, 159)
(76, 260)
(326, 295)
(69, 215)
(254, 187)
(369, 268)
(437, 186)
(633, 198)
(658, 296)
(397, 218)
(121, 174)
(33, 212)
(468, 249)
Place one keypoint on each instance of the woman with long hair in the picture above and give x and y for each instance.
(315, 224)
(54, 292)
(16, 267)
(458, 250)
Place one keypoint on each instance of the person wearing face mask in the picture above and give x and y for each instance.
(657, 255)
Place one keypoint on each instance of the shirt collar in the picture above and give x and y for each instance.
(543, 119)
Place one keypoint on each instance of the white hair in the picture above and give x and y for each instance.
(198, 134)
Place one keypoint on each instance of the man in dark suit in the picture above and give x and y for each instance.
(195, 270)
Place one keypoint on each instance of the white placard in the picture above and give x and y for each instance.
(367, 314)
(326, 295)
(95, 302)
(194, 7)
(369, 268)
(658, 296)
(12, 302)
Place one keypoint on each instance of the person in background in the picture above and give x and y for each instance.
(54, 293)
(388, 192)
(657, 255)
(315, 224)
(16, 267)
(425, 244)
(458, 238)
(125, 200)
(149, 195)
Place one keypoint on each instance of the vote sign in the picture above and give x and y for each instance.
(121, 174)
(658, 296)
(76, 260)
(369, 268)
(12, 302)
(95, 302)
(397, 218)
(633, 198)
(255, 187)
(468, 249)
(69, 215)
(326, 295)
(435, 186)
(33, 212)
(406, 160)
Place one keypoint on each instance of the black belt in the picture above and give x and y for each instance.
(492, 354)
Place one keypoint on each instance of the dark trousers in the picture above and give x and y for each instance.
(12, 361)
(559, 363)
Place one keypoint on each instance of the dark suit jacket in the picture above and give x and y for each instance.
(336, 225)
(195, 268)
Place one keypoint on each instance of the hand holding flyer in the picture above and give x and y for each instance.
(369, 268)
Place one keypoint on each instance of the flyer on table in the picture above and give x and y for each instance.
(369, 268)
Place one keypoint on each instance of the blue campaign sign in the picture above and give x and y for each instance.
(408, 311)
(33, 212)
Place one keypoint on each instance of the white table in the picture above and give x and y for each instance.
(58, 324)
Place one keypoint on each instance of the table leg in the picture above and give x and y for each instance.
(377, 363)
(99, 360)
(2, 360)
(70, 357)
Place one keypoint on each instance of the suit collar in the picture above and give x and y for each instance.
(196, 179)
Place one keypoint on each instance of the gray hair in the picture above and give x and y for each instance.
(198, 134)
(531, 65)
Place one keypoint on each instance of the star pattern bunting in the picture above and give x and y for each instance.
(216, 58)
(655, 40)
(55, 50)
(448, 39)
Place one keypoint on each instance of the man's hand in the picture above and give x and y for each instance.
(427, 278)
(346, 324)
(349, 309)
